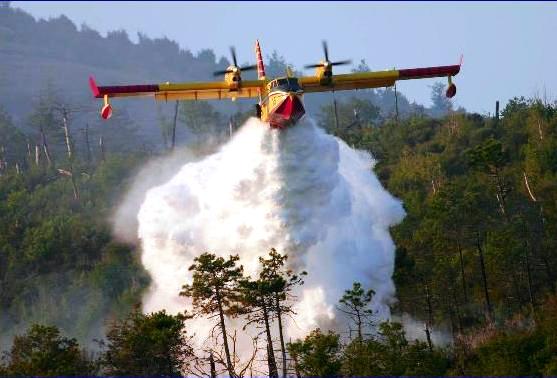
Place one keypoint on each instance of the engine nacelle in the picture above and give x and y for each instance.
(451, 91)
(106, 111)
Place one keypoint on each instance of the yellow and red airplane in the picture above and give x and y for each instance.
(280, 99)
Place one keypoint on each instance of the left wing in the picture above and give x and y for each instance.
(216, 90)
(377, 79)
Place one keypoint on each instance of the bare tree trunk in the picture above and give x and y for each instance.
(396, 105)
(540, 129)
(229, 366)
(528, 269)
(173, 141)
(550, 276)
(464, 291)
(87, 143)
(281, 335)
(297, 366)
(3, 162)
(359, 325)
(49, 159)
(273, 371)
(37, 154)
(501, 193)
(528, 187)
(74, 186)
(458, 314)
(212, 365)
(529, 277)
(484, 276)
(429, 321)
(67, 133)
(335, 110)
(101, 145)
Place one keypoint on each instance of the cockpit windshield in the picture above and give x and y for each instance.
(289, 84)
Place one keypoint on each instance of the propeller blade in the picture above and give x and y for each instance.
(248, 68)
(313, 65)
(325, 50)
(233, 53)
(219, 73)
(341, 62)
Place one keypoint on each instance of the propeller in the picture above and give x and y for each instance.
(234, 67)
(326, 62)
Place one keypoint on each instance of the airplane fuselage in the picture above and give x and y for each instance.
(281, 103)
(280, 99)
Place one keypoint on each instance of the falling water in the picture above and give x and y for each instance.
(301, 191)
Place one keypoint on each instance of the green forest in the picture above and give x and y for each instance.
(476, 253)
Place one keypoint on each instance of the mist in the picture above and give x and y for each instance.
(300, 190)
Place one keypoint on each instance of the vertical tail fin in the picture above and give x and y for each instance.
(260, 65)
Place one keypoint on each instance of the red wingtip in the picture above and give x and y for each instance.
(94, 88)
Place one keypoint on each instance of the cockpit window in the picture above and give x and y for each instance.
(286, 83)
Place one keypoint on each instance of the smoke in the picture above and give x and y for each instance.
(416, 330)
(299, 190)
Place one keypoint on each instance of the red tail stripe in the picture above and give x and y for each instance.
(260, 65)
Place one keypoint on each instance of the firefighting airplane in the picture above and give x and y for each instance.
(280, 99)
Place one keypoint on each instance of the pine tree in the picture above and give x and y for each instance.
(355, 304)
(214, 291)
(282, 282)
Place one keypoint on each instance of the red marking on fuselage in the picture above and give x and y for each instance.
(287, 113)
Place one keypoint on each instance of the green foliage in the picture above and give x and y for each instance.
(147, 345)
(215, 283)
(214, 291)
(519, 350)
(488, 156)
(318, 355)
(354, 113)
(43, 351)
(392, 354)
(48, 238)
(355, 304)
(441, 104)
(200, 117)
(280, 279)
(480, 199)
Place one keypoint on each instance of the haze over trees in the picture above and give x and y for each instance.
(476, 253)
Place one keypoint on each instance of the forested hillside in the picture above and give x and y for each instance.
(476, 253)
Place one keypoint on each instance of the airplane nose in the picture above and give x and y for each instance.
(288, 112)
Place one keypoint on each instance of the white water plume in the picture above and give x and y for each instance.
(299, 190)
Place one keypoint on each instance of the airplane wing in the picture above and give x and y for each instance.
(216, 90)
(377, 79)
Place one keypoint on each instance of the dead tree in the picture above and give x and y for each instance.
(67, 138)
(87, 143)
(101, 146)
(70, 174)
(484, 276)
(46, 149)
(173, 141)
(37, 155)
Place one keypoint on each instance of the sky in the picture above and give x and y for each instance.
(508, 47)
